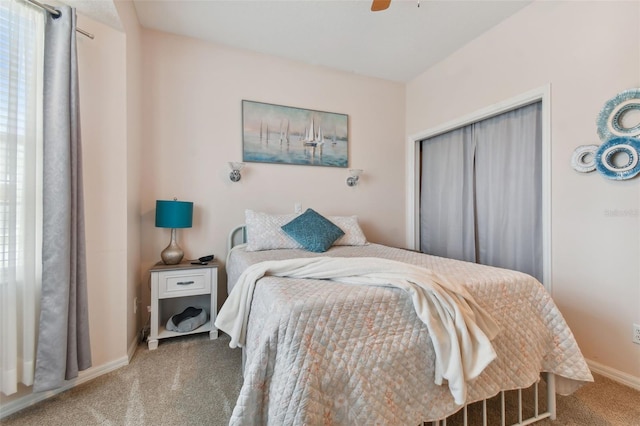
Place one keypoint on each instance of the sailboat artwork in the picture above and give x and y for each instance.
(288, 135)
(284, 133)
(312, 138)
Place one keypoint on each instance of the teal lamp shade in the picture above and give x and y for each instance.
(173, 214)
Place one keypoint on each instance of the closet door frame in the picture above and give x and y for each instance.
(541, 94)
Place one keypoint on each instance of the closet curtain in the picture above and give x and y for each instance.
(481, 192)
(21, 50)
(63, 345)
(447, 209)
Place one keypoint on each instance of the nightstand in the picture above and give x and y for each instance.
(176, 287)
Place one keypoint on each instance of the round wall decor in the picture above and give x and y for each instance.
(610, 118)
(583, 159)
(608, 151)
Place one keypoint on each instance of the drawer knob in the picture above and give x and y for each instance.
(185, 282)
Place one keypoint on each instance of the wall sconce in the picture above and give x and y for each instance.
(354, 176)
(235, 175)
(173, 214)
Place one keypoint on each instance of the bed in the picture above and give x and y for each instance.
(320, 351)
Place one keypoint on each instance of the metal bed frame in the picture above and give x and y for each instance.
(538, 414)
(238, 235)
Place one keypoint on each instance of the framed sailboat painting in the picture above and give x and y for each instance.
(288, 135)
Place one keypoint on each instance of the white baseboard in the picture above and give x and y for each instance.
(84, 376)
(615, 375)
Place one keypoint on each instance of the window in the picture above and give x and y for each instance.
(21, 44)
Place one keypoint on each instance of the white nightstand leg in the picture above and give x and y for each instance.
(213, 334)
(153, 332)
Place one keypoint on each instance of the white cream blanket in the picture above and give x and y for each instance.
(460, 329)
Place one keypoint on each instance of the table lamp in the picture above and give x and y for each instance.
(173, 214)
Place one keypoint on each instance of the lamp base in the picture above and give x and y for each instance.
(173, 254)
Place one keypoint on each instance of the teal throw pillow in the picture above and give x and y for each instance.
(313, 231)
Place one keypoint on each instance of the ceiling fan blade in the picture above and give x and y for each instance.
(378, 5)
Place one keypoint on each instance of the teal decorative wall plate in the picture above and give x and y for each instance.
(618, 146)
(610, 120)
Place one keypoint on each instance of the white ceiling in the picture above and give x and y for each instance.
(103, 11)
(396, 44)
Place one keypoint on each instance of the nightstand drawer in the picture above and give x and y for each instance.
(184, 283)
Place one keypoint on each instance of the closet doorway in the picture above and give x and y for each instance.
(481, 188)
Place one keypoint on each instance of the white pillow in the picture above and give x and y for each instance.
(353, 235)
(264, 231)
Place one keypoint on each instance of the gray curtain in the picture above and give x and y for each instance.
(447, 211)
(481, 192)
(509, 190)
(63, 340)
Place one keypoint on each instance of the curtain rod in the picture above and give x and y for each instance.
(57, 13)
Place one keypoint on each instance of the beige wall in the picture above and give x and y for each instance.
(135, 316)
(110, 75)
(192, 128)
(588, 52)
(102, 70)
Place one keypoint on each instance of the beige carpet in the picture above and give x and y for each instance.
(195, 381)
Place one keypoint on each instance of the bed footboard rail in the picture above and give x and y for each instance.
(536, 416)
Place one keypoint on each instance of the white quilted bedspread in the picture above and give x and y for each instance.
(322, 352)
